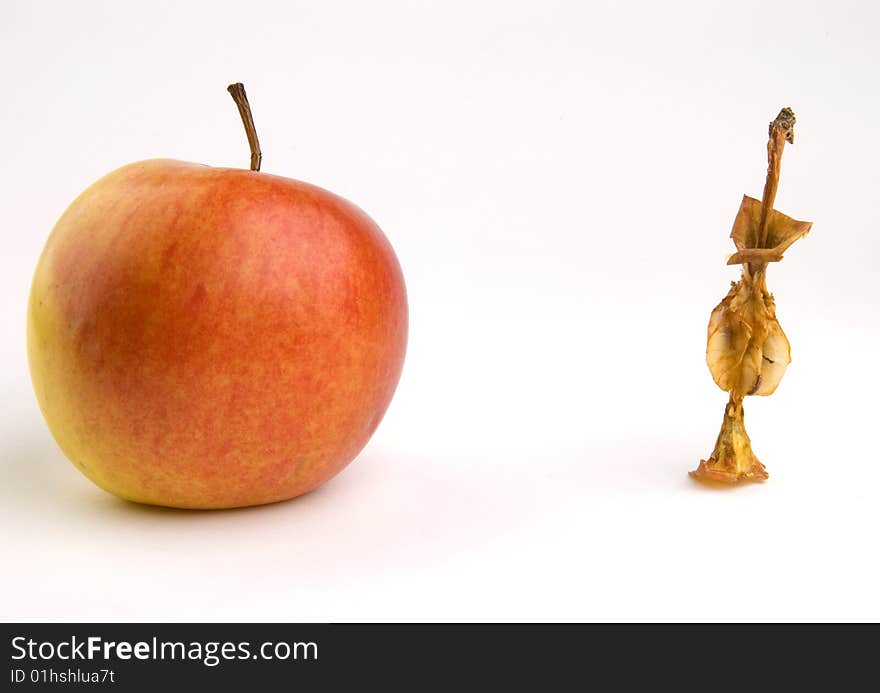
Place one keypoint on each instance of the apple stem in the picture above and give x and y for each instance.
(781, 131)
(244, 108)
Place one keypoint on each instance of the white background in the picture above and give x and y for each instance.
(559, 180)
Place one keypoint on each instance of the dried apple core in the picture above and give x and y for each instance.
(747, 350)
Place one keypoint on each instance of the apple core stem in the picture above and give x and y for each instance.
(244, 108)
(781, 131)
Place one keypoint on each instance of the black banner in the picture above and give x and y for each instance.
(323, 656)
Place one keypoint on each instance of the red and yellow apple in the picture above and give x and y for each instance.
(205, 337)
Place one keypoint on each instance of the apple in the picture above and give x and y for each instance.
(206, 337)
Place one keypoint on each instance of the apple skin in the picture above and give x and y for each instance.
(204, 337)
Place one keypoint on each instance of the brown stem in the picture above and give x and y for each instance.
(781, 131)
(244, 108)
